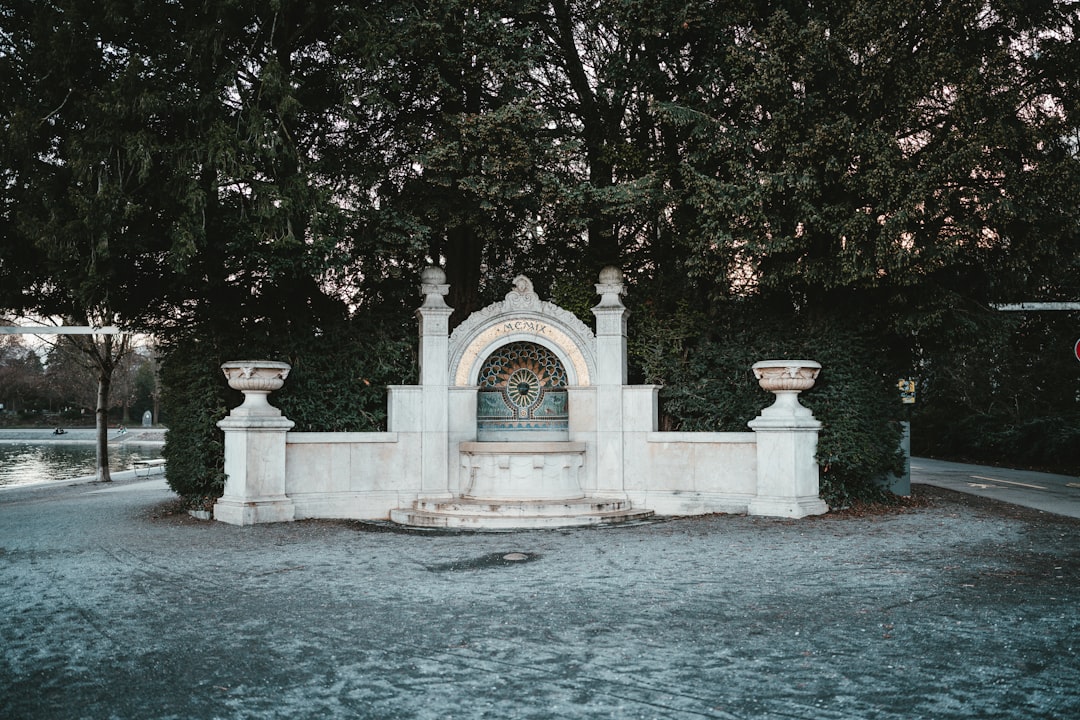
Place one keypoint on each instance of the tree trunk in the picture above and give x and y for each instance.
(600, 122)
(102, 424)
(464, 256)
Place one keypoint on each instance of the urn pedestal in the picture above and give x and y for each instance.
(787, 442)
(255, 447)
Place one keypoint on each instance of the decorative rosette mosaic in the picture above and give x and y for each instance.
(522, 387)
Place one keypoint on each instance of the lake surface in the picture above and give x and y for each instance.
(22, 463)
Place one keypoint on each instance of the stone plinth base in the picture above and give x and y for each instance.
(787, 507)
(250, 512)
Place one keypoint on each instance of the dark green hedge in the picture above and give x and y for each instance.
(337, 384)
(193, 399)
(705, 368)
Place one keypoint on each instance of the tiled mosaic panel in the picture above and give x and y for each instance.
(497, 369)
(522, 387)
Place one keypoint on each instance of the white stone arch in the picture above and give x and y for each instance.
(469, 371)
(522, 317)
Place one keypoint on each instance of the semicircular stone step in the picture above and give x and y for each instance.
(501, 515)
(518, 508)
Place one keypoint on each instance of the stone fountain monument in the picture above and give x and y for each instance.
(522, 418)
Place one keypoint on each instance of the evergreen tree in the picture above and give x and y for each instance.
(907, 159)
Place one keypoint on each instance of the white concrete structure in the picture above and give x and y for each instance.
(522, 418)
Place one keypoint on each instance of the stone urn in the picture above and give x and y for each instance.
(256, 379)
(786, 379)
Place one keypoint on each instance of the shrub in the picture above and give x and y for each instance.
(193, 399)
(705, 368)
(337, 384)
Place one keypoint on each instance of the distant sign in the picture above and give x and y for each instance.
(1076, 352)
(907, 391)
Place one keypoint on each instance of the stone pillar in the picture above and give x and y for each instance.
(434, 319)
(255, 447)
(610, 378)
(787, 435)
(611, 317)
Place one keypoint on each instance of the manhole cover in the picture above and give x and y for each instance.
(515, 556)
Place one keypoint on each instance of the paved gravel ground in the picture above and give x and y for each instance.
(117, 605)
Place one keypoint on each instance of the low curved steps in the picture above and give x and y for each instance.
(483, 514)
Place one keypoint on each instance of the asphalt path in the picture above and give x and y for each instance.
(116, 604)
(1059, 494)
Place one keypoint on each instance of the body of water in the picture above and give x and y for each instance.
(23, 463)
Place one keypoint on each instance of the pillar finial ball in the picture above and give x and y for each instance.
(432, 275)
(611, 275)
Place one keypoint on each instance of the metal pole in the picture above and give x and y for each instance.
(56, 330)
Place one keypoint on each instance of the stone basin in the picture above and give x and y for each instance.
(541, 471)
